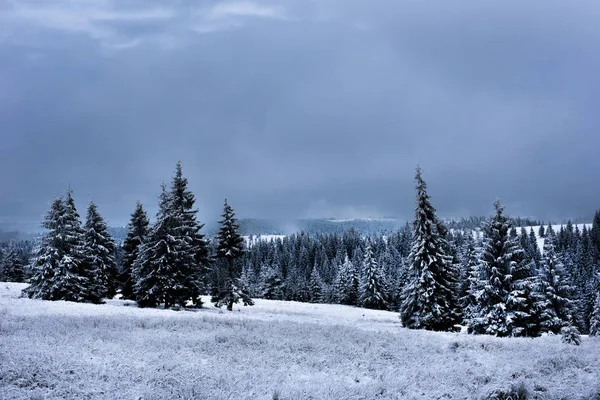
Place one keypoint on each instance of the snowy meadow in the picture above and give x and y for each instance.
(274, 350)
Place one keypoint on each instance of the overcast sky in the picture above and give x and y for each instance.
(300, 108)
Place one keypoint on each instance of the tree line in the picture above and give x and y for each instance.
(495, 281)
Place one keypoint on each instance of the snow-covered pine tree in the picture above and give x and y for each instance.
(595, 232)
(316, 286)
(165, 266)
(189, 231)
(556, 309)
(12, 267)
(75, 235)
(57, 269)
(230, 247)
(524, 302)
(550, 232)
(595, 318)
(137, 234)
(99, 250)
(506, 302)
(271, 287)
(535, 249)
(373, 290)
(347, 283)
(497, 260)
(428, 301)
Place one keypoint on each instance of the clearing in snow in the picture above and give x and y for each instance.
(274, 350)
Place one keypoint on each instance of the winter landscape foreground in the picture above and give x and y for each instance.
(274, 350)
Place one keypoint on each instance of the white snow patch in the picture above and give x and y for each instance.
(275, 349)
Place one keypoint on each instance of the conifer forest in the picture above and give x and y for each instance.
(495, 278)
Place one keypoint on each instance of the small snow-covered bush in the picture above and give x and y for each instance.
(570, 335)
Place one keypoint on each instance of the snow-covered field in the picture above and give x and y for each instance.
(274, 350)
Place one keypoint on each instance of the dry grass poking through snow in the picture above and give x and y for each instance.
(275, 350)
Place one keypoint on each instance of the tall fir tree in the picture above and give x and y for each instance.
(58, 271)
(555, 289)
(189, 231)
(595, 232)
(166, 269)
(137, 234)
(316, 286)
(506, 299)
(373, 290)
(429, 297)
(99, 249)
(230, 247)
(347, 283)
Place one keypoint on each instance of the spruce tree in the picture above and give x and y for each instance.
(429, 297)
(137, 234)
(99, 249)
(507, 298)
(535, 249)
(347, 283)
(12, 267)
(189, 231)
(316, 286)
(165, 268)
(373, 291)
(595, 232)
(58, 273)
(557, 306)
(230, 247)
(271, 283)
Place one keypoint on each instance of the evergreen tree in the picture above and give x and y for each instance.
(99, 249)
(373, 293)
(595, 318)
(189, 230)
(541, 231)
(166, 269)
(154, 266)
(229, 249)
(550, 231)
(595, 232)
(347, 283)
(272, 284)
(534, 247)
(316, 286)
(137, 234)
(556, 307)
(57, 271)
(11, 267)
(505, 301)
(429, 298)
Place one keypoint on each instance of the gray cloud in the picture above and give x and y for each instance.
(300, 108)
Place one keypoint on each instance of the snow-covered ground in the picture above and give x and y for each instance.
(555, 228)
(274, 350)
(252, 240)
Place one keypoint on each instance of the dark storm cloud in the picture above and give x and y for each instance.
(300, 108)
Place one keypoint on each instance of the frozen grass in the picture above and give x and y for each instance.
(275, 350)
